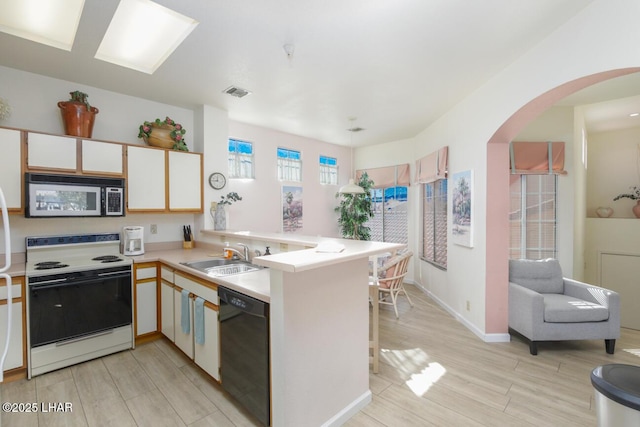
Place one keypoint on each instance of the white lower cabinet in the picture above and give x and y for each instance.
(15, 356)
(146, 299)
(206, 354)
(167, 304)
(183, 332)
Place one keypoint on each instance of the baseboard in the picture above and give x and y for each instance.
(349, 411)
(489, 338)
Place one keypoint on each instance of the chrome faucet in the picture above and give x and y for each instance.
(246, 251)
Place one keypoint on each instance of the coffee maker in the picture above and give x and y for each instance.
(133, 240)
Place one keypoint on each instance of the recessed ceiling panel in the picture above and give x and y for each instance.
(52, 22)
(143, 34)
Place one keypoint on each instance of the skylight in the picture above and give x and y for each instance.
(51, 22)
(143, 34)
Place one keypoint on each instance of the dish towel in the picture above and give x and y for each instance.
(198, 321)
(185, 315)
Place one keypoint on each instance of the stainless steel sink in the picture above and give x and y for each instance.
(221, 267)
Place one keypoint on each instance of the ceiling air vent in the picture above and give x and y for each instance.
(236, 91)
(355, 129)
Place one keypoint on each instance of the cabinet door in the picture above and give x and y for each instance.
(185, 181)
(10, 163)
(15, 357)
(146, 308)
(207, 355)
(166, 310)
(184, 341)
(101, 157)
(145, 179)
(51, 152)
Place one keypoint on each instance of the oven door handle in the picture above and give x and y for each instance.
(48, 283)
(57, 283)
(115, 273)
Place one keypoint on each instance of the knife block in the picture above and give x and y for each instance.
(188, 245)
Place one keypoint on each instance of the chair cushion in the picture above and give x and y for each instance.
(542, 276)
(560, 308)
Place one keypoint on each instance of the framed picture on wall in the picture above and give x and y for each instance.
(291, 208)
(461, 209)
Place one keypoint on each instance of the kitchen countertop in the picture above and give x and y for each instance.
(254, 284)
(307, 259)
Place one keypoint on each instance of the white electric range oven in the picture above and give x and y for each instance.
(79, 299)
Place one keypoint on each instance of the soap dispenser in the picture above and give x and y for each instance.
(227, 253)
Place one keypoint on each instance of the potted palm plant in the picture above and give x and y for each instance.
(77, 115)
(355, 210)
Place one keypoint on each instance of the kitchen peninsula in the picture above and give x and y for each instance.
(319, 325)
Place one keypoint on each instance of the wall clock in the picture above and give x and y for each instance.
(217, 180)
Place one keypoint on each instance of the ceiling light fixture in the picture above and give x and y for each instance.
(143, 34)
(634, 114)
(52, 22)
(352, 187)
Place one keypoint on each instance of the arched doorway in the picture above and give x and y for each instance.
(497, 244)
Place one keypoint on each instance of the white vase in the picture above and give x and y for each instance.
(604, 212)
(220, 218)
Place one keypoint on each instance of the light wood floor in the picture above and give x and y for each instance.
(433, 371)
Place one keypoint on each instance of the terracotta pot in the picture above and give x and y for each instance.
(78, 121)
(160, 136)
(636, 209)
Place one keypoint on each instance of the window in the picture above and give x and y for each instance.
(289, 165)
(240, 159)
(390, 221)
(532, 218)
(328, 170)
(434, 223)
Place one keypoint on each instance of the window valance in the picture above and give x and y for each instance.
(537, 158)
(433, 166)
(390, 176)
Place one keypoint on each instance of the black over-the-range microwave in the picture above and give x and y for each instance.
(51, 195)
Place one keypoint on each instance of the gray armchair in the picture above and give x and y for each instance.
(544, 306)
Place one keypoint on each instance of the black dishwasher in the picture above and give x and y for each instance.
(244, 351)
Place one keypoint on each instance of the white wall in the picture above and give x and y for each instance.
(614, 166)
(589, 43)
(34, 98)
(260, 209)
(34, 103)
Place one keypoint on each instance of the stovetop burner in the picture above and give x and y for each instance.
(74, 253)
(107, 258)
(48, 265)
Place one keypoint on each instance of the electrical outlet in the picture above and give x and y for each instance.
(284, 247)
(468, 306)
(154, 228)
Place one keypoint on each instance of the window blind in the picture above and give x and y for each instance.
(389, 176)
(537, 157)
(433, 166)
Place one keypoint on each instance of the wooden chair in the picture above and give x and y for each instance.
(391, 284)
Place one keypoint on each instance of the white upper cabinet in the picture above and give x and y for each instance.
(185, 181)
(101, 157)
(51, 152)
(10, 168)
(145, 179)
